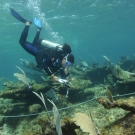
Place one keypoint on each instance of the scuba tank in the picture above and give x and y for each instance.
(49, 44)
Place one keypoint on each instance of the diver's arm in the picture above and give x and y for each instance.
(67, 73)
(49, 73)
(54, 78)
(64, 73)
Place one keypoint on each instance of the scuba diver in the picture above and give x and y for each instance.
(50, 57)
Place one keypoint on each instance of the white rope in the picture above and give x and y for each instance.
(27, 115)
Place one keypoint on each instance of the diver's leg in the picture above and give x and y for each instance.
(39, 28)
(24, 34)
(26, 45)
(35, 41)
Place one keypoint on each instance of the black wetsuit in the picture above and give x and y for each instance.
(47, 59)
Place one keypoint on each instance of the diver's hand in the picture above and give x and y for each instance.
(54, 78)
(69, 79)
(66, 70)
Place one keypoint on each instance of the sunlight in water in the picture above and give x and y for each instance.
(35, 7)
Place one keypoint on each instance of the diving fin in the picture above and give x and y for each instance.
(37, 22)
(18, 16)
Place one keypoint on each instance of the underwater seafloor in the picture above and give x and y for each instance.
(86, 107)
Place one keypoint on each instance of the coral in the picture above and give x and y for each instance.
(85, 123)
(80, 84)
(126, 63)
(67, 120)
(41, 97)
(126, 104)
(57, 121)
(109, 95)
(124, 76)
(123, 126)
(35, 108)
(36, 130)
(22, 77)
(30, 65)
(77, 72)
(98, 74)
(37, 126)
(14, 93)
(1, 121)
(85, 85)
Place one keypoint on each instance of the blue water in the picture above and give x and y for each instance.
(91, 27)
